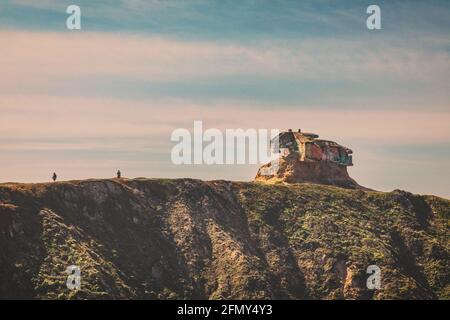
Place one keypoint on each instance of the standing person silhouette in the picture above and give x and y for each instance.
(119, 174)
(54, 177)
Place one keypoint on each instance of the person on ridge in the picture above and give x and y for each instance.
(54, 177)
(119, 174)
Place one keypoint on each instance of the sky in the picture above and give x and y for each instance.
(84, 103)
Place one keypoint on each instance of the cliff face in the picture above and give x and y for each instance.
(292, 170)
(165, 239)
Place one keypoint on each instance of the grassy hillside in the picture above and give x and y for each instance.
(168, 239)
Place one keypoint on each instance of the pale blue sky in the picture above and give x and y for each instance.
(84, 103)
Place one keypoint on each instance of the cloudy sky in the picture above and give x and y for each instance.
(85, 103)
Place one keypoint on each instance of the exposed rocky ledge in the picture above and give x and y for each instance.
(291, 170)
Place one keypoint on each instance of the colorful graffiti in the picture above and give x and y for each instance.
(308, 148)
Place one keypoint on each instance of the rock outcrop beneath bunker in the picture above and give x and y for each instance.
(292, 170)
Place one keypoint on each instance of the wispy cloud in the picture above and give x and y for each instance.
(244, 20)
(49, 117)
(41, 59)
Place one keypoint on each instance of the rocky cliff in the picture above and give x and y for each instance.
(292, 170)
(167, 239)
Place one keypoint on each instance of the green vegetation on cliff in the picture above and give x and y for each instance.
(173, 239)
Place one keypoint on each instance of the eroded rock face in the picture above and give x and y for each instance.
(291, 170)
(191, 239)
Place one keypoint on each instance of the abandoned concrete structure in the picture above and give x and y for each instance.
(306, 159)
(308, 148)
